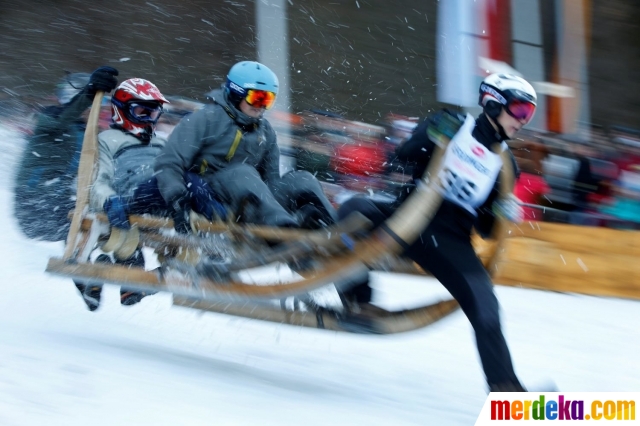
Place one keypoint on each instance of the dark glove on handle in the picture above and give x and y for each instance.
(103, 79)
(181, 209)
(116, 209)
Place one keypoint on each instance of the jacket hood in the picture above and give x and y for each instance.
(218, 96)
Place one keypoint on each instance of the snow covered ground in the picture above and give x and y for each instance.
(156, 364)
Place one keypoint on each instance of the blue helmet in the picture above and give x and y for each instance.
(247, 75)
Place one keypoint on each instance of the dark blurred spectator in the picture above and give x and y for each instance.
(399, 128)
(322, 131)
(585, 182)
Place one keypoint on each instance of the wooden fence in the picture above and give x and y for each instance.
(568, 258)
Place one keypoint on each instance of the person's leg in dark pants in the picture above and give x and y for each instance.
(453, 262)
(375, 212)
(360, 291)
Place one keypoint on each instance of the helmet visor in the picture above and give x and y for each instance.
(145, 112)
(521, 110)
(260, 98)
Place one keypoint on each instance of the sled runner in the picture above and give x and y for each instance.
(213, 269)
(380, 322)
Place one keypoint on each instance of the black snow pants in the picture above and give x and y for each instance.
(445, 250)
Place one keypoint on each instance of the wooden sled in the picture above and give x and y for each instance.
(205, 270)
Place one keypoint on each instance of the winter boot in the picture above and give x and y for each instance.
(90, 294)
(311, 217)
(129, 297)
(355, 292)
(542, 386)
(80, 286)
(507, 387)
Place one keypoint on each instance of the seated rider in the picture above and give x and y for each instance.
(125, 183)
(234, 149)
(44, 187)
(125, 168)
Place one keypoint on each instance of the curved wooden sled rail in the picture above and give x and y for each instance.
(384, 322)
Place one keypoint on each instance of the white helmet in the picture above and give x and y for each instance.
(510, 92)
(503, 88)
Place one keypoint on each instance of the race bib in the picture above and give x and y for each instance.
(469, 169)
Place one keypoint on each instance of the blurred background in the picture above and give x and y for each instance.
(358, 75)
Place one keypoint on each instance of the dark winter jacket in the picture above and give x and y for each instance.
(418, 149)
(54, 149)
(212, 138)
(44, 183)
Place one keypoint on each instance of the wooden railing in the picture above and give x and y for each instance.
(568, 258)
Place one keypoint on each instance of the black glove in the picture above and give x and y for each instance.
(116, 209)
(181, 209)
(103, 79)
(203, 200)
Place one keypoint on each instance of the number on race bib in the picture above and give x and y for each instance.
(455, 186)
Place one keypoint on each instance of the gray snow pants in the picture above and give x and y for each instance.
(299, 187)
(273, 205)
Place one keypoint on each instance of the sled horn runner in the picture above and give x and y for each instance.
(85, 175)
(501, 230)
(383, 322)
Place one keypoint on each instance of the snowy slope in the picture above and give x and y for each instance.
(162, 365)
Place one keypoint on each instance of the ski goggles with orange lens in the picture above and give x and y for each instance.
(520, 110)
(260, 98)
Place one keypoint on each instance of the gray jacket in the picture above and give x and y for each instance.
(124, 163)
(212, 138)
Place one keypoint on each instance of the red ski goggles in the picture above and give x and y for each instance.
(520, 110)
(260, 98)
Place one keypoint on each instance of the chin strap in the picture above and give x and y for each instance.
(493, 110)
(145, 137)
